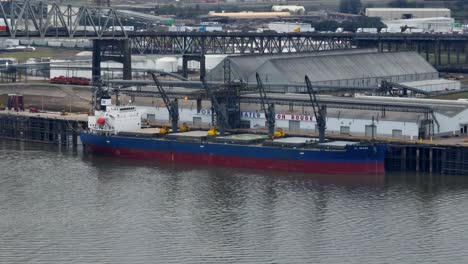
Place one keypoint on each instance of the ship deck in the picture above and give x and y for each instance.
(246, 139)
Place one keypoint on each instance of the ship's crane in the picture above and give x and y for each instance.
(320, 111)
(172, 106)
(221, 121)
(267, 107)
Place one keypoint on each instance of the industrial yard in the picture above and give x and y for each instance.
(399, 82)
(233, 131)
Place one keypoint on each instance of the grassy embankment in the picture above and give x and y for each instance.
(42, 52)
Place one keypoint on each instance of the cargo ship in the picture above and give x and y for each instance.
(118, 131)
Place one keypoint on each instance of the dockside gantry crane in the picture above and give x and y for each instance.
(172, 106)
(320, 111)
(221, 121)
(267, 107)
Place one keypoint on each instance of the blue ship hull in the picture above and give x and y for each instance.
(353, 159)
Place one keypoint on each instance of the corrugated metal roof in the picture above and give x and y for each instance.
(347, 113)
(245, 66)
(377, 115)
(389, 9)
(348, 66)
(327, 66)
(430, 82)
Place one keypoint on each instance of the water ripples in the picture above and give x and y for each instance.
(59, 206)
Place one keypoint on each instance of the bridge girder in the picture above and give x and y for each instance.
(30, 18)
(177, 43)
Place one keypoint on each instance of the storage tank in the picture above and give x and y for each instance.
(288, 8)
(168, 64)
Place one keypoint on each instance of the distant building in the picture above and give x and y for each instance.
(434, 24)
(250, 15)
(355, 67)
(7, 61)
(406, 13)
(342, 16)
(285, 27)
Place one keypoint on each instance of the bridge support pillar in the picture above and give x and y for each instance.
(466, 53)
(126, 51)
(96, 64)
(193, 57)
(437, 53)
(427, 50)
(112, 49)
(448, 47)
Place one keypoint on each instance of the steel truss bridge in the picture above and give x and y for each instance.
(36, 19)
(234, 43)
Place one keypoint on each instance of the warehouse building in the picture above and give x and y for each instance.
(410, 118)
(430, 25)
(250, 15)
(407, 13)
(286, 27)
(343, 68)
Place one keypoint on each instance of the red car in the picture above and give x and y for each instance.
(71, 80)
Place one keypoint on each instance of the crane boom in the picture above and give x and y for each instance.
(319, 110)
(172, 106)
(267, 107)
(220, 114)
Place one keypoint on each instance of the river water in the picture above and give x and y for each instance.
(65, 206)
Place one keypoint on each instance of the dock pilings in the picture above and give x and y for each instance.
(58, 131)
(427, 158)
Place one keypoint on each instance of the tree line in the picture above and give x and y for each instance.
(349, 25)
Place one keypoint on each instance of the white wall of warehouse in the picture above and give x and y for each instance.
(437, 25)
(450, 125)
(398, 13)
(357, 126)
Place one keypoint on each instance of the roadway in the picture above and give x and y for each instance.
(318, 35)
(90, 34)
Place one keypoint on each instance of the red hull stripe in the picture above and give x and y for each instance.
(371, 167)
